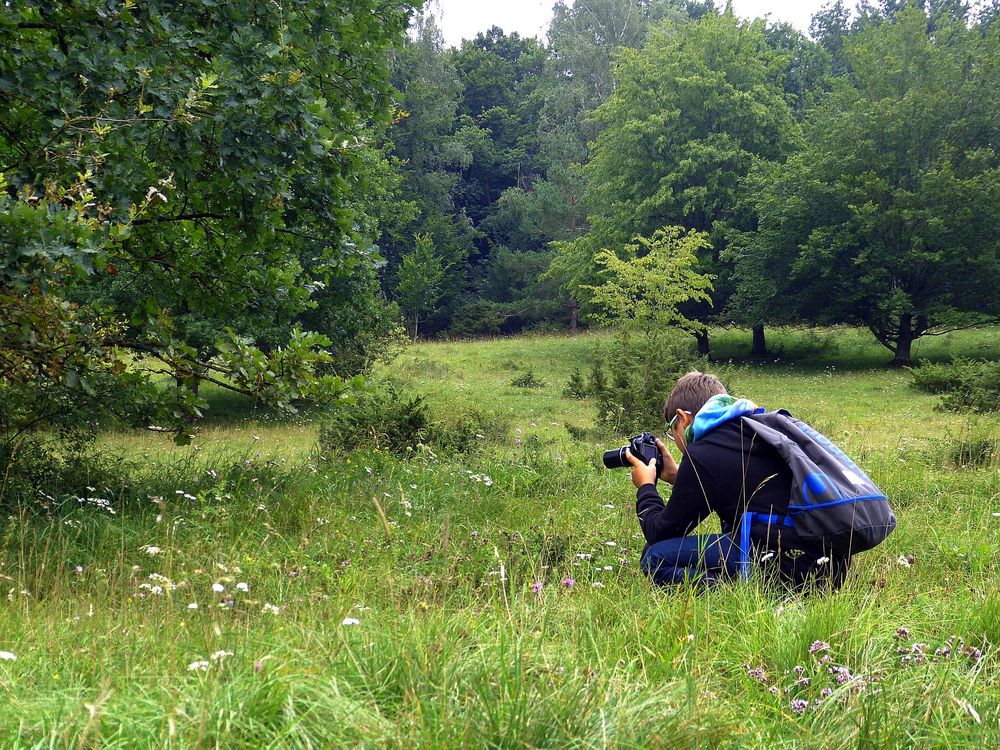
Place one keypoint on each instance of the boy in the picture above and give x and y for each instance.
(724, 470)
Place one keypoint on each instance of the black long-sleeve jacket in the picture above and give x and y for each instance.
(728, 472)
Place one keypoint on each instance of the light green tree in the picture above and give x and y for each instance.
(420, 275)
(645, 285)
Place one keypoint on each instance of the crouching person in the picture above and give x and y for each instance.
(727, 468)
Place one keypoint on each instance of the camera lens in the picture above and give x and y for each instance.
(616, 459)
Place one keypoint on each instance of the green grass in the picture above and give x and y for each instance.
(452, 647)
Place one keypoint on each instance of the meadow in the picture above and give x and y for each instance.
(253, 591)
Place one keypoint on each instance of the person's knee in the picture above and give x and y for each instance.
(650, 562)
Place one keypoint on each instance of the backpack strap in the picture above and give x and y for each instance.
(746, 521)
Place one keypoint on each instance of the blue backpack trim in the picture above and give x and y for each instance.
(746, 521)
(842, 512)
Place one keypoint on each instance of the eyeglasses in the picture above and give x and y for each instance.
(672, 422)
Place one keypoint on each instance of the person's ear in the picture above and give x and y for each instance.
(684, 419)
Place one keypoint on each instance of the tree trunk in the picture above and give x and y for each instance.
(704, 348)
(416, 321)
(759, 342)
(904, 341)
(574, 315)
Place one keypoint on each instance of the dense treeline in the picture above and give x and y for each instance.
(845, 176)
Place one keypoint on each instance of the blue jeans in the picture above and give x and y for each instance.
(707, 558)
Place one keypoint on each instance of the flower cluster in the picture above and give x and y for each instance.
(202, 665)
(916, 653)
(101, 503)
(810, 685)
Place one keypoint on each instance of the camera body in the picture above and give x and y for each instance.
(642, 446)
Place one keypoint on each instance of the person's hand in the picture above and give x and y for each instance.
(669, 473)
(641, 473)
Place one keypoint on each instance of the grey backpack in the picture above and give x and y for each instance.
(834, 503)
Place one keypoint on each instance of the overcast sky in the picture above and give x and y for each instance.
(463, 19)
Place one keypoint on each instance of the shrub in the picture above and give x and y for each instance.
(577, 386)
(965, 385)
(460, 432)
(40, 470)
(387, 418)
(598, 380)
(974, 448)
(527, 380)
(642, 370)
(383, 418)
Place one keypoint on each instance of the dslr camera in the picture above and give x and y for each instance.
(643, 447)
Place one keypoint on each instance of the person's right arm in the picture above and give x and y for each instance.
(687, 507)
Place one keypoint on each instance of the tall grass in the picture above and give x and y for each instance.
(437, 559)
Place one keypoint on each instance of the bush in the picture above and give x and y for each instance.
(641, 372)
(383, 418)
(975, 451)
(462, 431)
(388, 419)
(527, 380)
(965, 385)
(577, 386)
(41, 470)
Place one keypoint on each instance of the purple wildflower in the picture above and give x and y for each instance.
(568, 582)
(799, 706)
(818, 646)
(975, 654)
(756, 673)
(803, 682)
(902, 633)
(536, 587)
(826, 692)
(840, 674)
(799, 670)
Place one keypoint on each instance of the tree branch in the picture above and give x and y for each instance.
(182, 217)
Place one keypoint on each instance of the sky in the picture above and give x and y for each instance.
(463, 19)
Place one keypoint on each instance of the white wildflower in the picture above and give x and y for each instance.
(193, 605)
(241, 586)
(7, 656)
(218, 588)
(196, 666)
(350, 621)
(823, 560)
(271, 608)
(151, 550)
(219, 655)
(903, 561)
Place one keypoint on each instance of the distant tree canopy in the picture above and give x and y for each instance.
(176, 181)
(692, 112)
(887, 215)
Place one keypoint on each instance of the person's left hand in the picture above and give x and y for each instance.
(641, 473)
